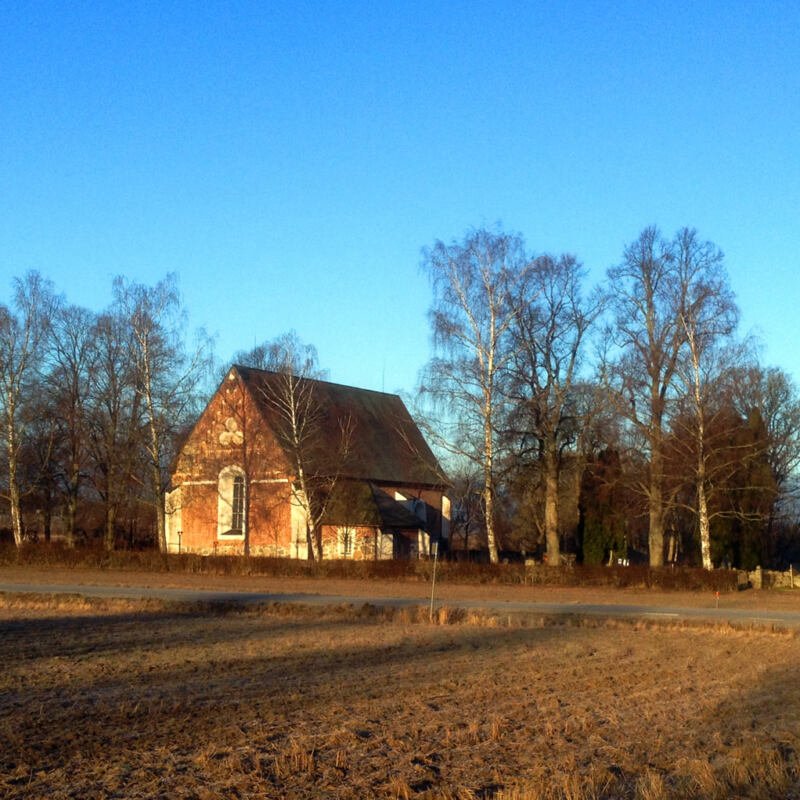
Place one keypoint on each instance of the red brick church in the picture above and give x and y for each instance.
(283, 465)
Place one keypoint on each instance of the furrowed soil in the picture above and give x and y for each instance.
(110, 698)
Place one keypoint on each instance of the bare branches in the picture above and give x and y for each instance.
(661, 290)
(302, 424)
(547, 340)
(166, 377)
(475, 283)
(24, 330)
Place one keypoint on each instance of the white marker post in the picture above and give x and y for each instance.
(435, 547)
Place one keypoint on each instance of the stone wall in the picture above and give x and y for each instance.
(773, 579)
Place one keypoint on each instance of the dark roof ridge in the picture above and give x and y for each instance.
(239, 367)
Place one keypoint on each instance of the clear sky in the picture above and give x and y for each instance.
(290, 160)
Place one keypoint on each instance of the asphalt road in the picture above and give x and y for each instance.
(782, 619)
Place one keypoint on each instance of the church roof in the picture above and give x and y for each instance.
(384, 444)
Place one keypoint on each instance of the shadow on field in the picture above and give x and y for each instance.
(746, 746)
(71, 636)
(199, 624)
(755, 737)
(127, 636)
(121, 692)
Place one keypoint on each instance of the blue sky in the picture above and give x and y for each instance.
(290, 160)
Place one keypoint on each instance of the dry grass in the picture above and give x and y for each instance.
(767, 600)
(119, 699)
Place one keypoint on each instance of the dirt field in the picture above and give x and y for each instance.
(137, 700)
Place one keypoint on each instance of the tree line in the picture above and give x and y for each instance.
(626, 419)
(600, 422)
(92, 407)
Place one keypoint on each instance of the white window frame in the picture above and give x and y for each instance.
(225, 493)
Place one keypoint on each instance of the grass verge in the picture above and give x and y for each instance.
(668, 578)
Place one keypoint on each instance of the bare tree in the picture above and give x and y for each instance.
(475, 284)
(548, 334)
(247, 455)
(466, 496)
(114, 420)
(167, 376)
(23, 333)
(71, 359)
(707, 454)
(709, 317)
(315, 440)
(659, 284)
(286, 350)
(38, 469)
(772, 393)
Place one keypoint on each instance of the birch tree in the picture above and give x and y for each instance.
(659, 284)
(166, 375)
(316, 440)
(24, 329)
(713, 460)
(709, 316)
(287, 359)
(475, 285)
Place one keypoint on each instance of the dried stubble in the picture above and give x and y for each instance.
(354, 703)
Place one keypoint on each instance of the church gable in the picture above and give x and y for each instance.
(230, 431)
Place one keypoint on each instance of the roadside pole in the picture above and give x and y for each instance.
(435, 547)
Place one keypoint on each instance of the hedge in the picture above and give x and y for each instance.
(667, 578)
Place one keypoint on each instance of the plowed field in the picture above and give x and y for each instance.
(122, 699)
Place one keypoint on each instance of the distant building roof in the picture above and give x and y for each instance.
(385, 444)
(363, 503)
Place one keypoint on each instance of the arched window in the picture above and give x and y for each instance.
(237, 512)
(231, 503)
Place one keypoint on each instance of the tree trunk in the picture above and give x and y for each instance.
(656, 535)
(551, 508)
(491, 540)
(13, 486)
(72, 516)
(158, 485)
(72, 504)
(16, 514)
(72, 512)
(673, 547)
(313, 527)
(656, 502)
(702, 500)
(488, 487)
(318, 542)
(111, 524)
(161, 522)
(246, 517)
(705, 534)
(314, 541)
